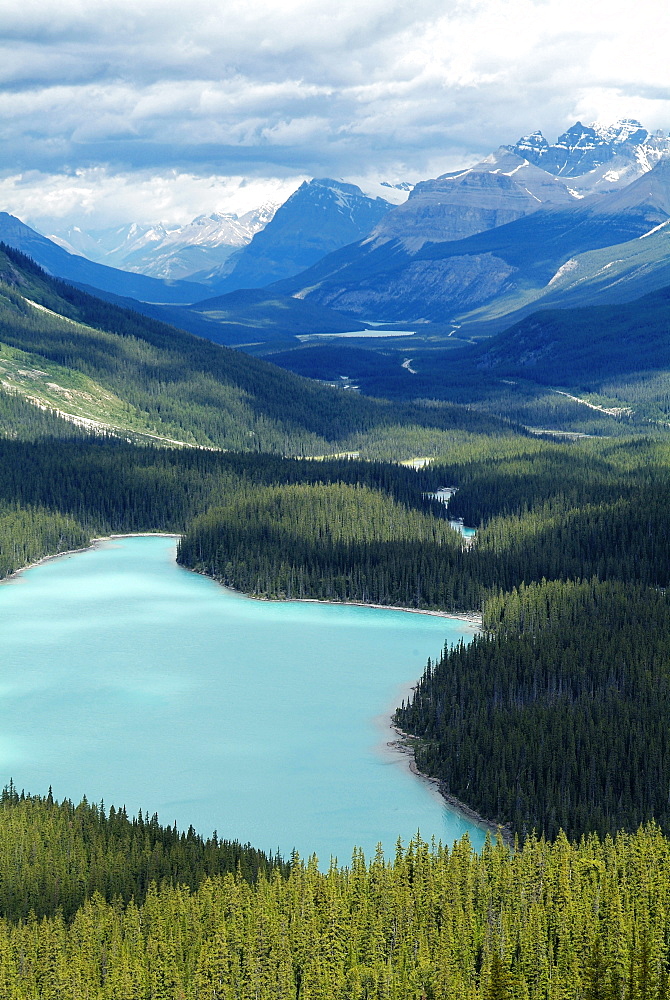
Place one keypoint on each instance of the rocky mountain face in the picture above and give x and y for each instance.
(492, 274)
(601, 268)
(500, 189)
(388, 276)
(200, 247)
(519, 179)
(480, 243)
(596, 158)
(321, 216)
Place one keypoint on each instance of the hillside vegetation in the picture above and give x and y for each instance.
(56, 855)
(575, 534)
(549, 920)
(142, 376)
(556, 716)
(339, 529)
(334, 542)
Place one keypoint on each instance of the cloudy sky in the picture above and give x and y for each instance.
(158, 110)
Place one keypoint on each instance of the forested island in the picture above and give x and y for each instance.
(554, 721)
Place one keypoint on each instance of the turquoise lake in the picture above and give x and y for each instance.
(126, 678)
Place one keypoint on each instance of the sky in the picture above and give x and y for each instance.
(113, 111)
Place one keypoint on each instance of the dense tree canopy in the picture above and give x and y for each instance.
(549, 920)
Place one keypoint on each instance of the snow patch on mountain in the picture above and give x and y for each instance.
(393, 193)
(570, 265)
(655, 229)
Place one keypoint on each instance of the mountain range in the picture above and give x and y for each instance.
(596, 157)
(81, 271)
(224, 252)
(497, 233)
(581, 222)
(321, 216)
(203, 245)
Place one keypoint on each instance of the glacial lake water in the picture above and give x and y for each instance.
(444, 496)
(126, 678)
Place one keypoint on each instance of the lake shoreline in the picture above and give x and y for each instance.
(405, 745)
(93, 544)
(472, 618)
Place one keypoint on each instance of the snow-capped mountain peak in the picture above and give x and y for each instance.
(534, 143)
(596, 157)
(169, 252)
(621, 131)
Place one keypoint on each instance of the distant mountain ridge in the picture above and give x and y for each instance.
(321, 216)
(528, 226)
(80, 270)
(169, 253)
(473, 246)
(501, 188)
(585, 147)
(443, 282)
(225, 252)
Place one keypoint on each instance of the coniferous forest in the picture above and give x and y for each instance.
(554, 721)
(547, 919)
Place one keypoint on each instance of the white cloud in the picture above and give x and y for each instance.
(98, 199)
(263, 88)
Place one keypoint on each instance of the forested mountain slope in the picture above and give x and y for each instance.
(573, 346)
(169, 384)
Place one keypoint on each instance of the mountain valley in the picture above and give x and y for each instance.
(497, 356)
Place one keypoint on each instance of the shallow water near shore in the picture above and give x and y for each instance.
(126, 678)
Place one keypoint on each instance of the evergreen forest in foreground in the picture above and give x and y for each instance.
(548, 920)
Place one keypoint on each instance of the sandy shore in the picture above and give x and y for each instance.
(473, 618)
(405, 744)
(93, 544)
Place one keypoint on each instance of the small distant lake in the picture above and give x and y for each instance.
(126, 678)
(355, 335)
(464, 530)
(444, 496)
